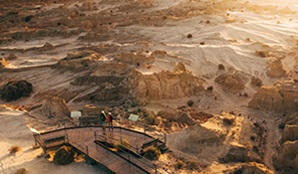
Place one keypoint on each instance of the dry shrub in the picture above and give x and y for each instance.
(190, 103)
(14, 149)
(262, 53)
(180, 164)
(189, 36)
(65, 155)
(192, 165)
(150, 120)
(221, 67)
(210, 88)
(21, 171)
(152, 153)
(229, 121)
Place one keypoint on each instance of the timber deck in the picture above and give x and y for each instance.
(94, 142)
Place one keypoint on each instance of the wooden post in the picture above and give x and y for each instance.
(95, 136)
(66, 138)
(165, 138)
(120, 130)
(129, 159)
(144, 131)
(144, 128)
(35, 139)
(137, 148)
(87, 150)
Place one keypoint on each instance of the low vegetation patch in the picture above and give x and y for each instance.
(152, 153)
(262, 53)
(190, 103)
(14, 149)
(65, 155)
(229, 121)
(180, 164)
(21, 171)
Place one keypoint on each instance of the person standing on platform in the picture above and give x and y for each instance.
(110, 121)
(103, 118)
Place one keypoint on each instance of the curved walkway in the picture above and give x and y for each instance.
(94, 142)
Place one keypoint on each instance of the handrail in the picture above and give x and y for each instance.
(106, 138)
(116, 141)
(127, 159)
(138, 158)
(78, 127)
(73, 142)
(37, 138)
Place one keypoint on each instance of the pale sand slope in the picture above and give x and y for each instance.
(229, 40)
(14, 132)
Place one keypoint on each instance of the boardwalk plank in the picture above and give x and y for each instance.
(84, 136)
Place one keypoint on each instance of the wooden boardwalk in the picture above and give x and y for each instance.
(96, 144)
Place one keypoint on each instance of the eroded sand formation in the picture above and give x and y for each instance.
(219, 77)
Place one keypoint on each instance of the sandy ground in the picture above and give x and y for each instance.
(229, 37)
(14, 132)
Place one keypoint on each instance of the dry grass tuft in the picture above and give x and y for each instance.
(14, 149)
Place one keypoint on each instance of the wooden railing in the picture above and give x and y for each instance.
(128, 151)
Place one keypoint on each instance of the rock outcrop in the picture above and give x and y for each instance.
(256, 82)
(108, 89)
(236, 153)
(53, 107)
(230, 82)
(252, 167)
(14, 90)
(3, 63)
(178, 117)
(275, 69)
(283, 96)
(136, 59)
(77, 61)
(287, 159)
(290, 133)
(165, 85)
(12, 56)
(110, 69)
(91, 110)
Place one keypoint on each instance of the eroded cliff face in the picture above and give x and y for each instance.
(275, 69)
(286, 160)
(281, 97)
(230, 82)
(165, 85)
